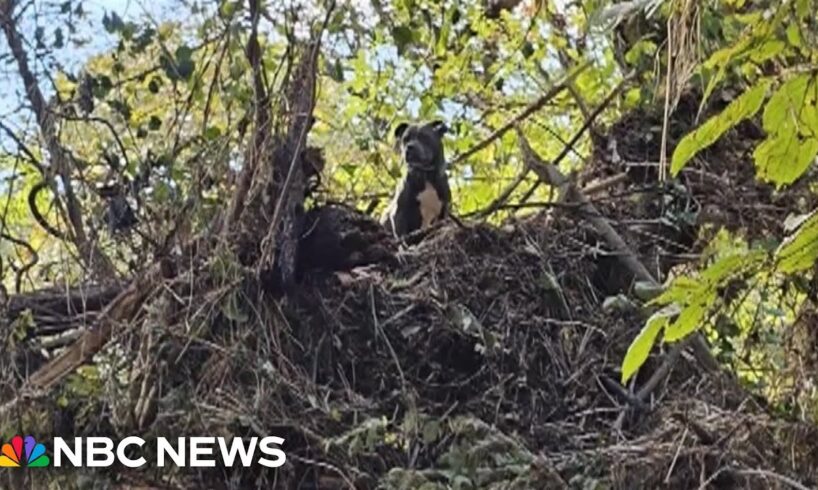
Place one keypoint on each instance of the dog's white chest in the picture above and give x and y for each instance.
(430, 205)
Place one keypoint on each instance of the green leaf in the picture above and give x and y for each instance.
(527, 49)
(767, 50)
(728, 266)
(228, 9)
(678, 291)
(143, 40)
(794, 35)
(785, 103)
(184, 61)
(155, 123)
(697, 297)
(719, 61)
(809, 118)
(642, 50)
(102, 87)
(799, 251)
(442, 40)
(691, 317)
(705, 135)
(112, 23)
(236, 69)
(803, 8)
(181, 66)
(349, 169)
(336, 24)
(212, 133)
(641, 346)
(402, 36)
(153, 85)
(431, 431)
(121, 107)
(784, 157)
(336, 70)
(127, 31)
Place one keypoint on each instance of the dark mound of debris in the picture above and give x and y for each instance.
(478, 358)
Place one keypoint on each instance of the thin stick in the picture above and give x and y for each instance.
(601, 185)
(662, 156)
(380, 331)
(676, 456)
(775, 476)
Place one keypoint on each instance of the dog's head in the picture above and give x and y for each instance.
(421, 146)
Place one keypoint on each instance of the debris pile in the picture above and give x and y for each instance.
(479, 357)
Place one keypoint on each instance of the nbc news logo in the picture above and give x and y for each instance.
(184, 452)
(23, 452)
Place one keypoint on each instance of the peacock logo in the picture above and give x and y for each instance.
(13, 456)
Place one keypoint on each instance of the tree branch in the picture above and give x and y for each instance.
(261, 133)
(91, 254)
(121, 309)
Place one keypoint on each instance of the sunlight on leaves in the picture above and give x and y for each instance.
(741, 108)
(799, 251)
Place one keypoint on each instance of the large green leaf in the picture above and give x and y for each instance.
(691, 317)
(639, 349)
(791, 120)
(768, 49)
(785, 104)
(741, 108)
(799, 251)
(731, 265)
(784, 157)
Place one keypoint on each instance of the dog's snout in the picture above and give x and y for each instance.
(413, 151)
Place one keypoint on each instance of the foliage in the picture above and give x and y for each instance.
(773, 48)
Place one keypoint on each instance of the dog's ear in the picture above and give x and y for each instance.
(400, 130)
(439, 127)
